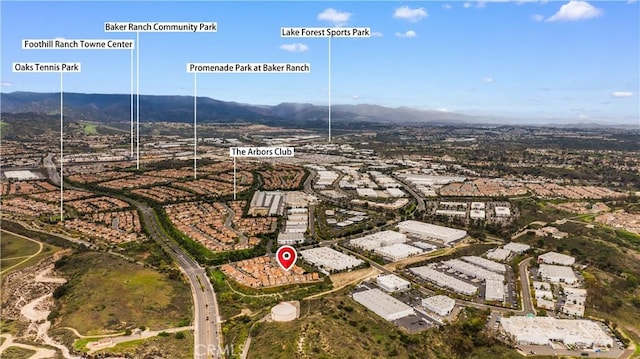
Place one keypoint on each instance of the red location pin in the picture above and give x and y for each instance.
(286, 256)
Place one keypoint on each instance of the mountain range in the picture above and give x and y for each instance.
(117, 108)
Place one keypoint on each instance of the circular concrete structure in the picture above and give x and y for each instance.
(284, 312)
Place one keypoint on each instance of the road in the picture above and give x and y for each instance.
(527, 303)
(51, 169)
(206, 318)
(420, 202)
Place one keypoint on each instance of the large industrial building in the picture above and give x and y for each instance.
(557, 274)
(544, 330)
(472, 270)
(556, 258)
(423, 230)
(494, 290)
(329, 260)
(383, 304)
(517, 247)
(445, 281)
(392, 283)
(439, 304)
(267, 204)
(396, 252)
(485, 263)
(498, 254)
(380, 239)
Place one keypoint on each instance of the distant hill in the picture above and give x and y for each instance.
(116, 108)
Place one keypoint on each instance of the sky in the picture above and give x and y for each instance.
(535, 60)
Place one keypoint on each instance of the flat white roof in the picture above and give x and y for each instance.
(485, 263)
(392, 281)
(444, 234)
(329, 258)
(383, 304)
(556, 258)
(397, 251)
(494, 290)
(22, 175)
(443, 280)
(557, 272)
(517, 247)
(545, 329)
(498, 254)
(440, 302)
(472, 270)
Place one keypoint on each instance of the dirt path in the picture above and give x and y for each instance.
(342, 280)
(112, 342)
(40, 353)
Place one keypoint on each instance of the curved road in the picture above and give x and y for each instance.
(206, 319)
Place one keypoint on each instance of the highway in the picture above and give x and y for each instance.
(208, 340)
(527, 302)
(51, 168)
(207, 336)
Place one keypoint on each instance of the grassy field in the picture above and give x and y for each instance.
(165, 346)
(16, 249)
(107, 293)
(17, 353)
(90, 129)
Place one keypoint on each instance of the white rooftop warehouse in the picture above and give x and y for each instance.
(517, 247)
(498, 254)
(494, 290)
(392, 283)
(556, 258)
(439, 304)
(383, 304)
(472, 270)
(557, 274)
(485, 263)
(544, 330)
(397, 251)
(431, 231)
(329, 259)
(445, 281)
(377, 240)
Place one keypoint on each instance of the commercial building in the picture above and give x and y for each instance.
(22, 175)
(556, 258)
(392, 283)
(427, 247)
(517, 247)
(451, 213)
(544, 330)
(575, 300)
(494, 290)
(384, 305)
(377, 240)
(445, 281)
(266, 204)
(557, 274)
(423, 230)
(439, 304)
(477, 214)
(472, 270)
(485, 263)
(498, 254)
(329, 260)
(290, 238)
(502, 212)
(396, 252)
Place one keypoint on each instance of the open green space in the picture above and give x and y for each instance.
(16, 250)
(107, 293)
(165, 346)
(16, 246)
(17, 353)
(90, 129)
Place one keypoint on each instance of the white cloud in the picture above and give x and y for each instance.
(467, 5)
(7, 84)
(488, 79)
(537, 17)
(576, 10)
(376, 34)
(443, 109)
(297, 47)
(621, 94)
(409, 33)
(407, 13)
(355, 97)
(446, 6)
(338, 18)
(583, 116)
(631, 1)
